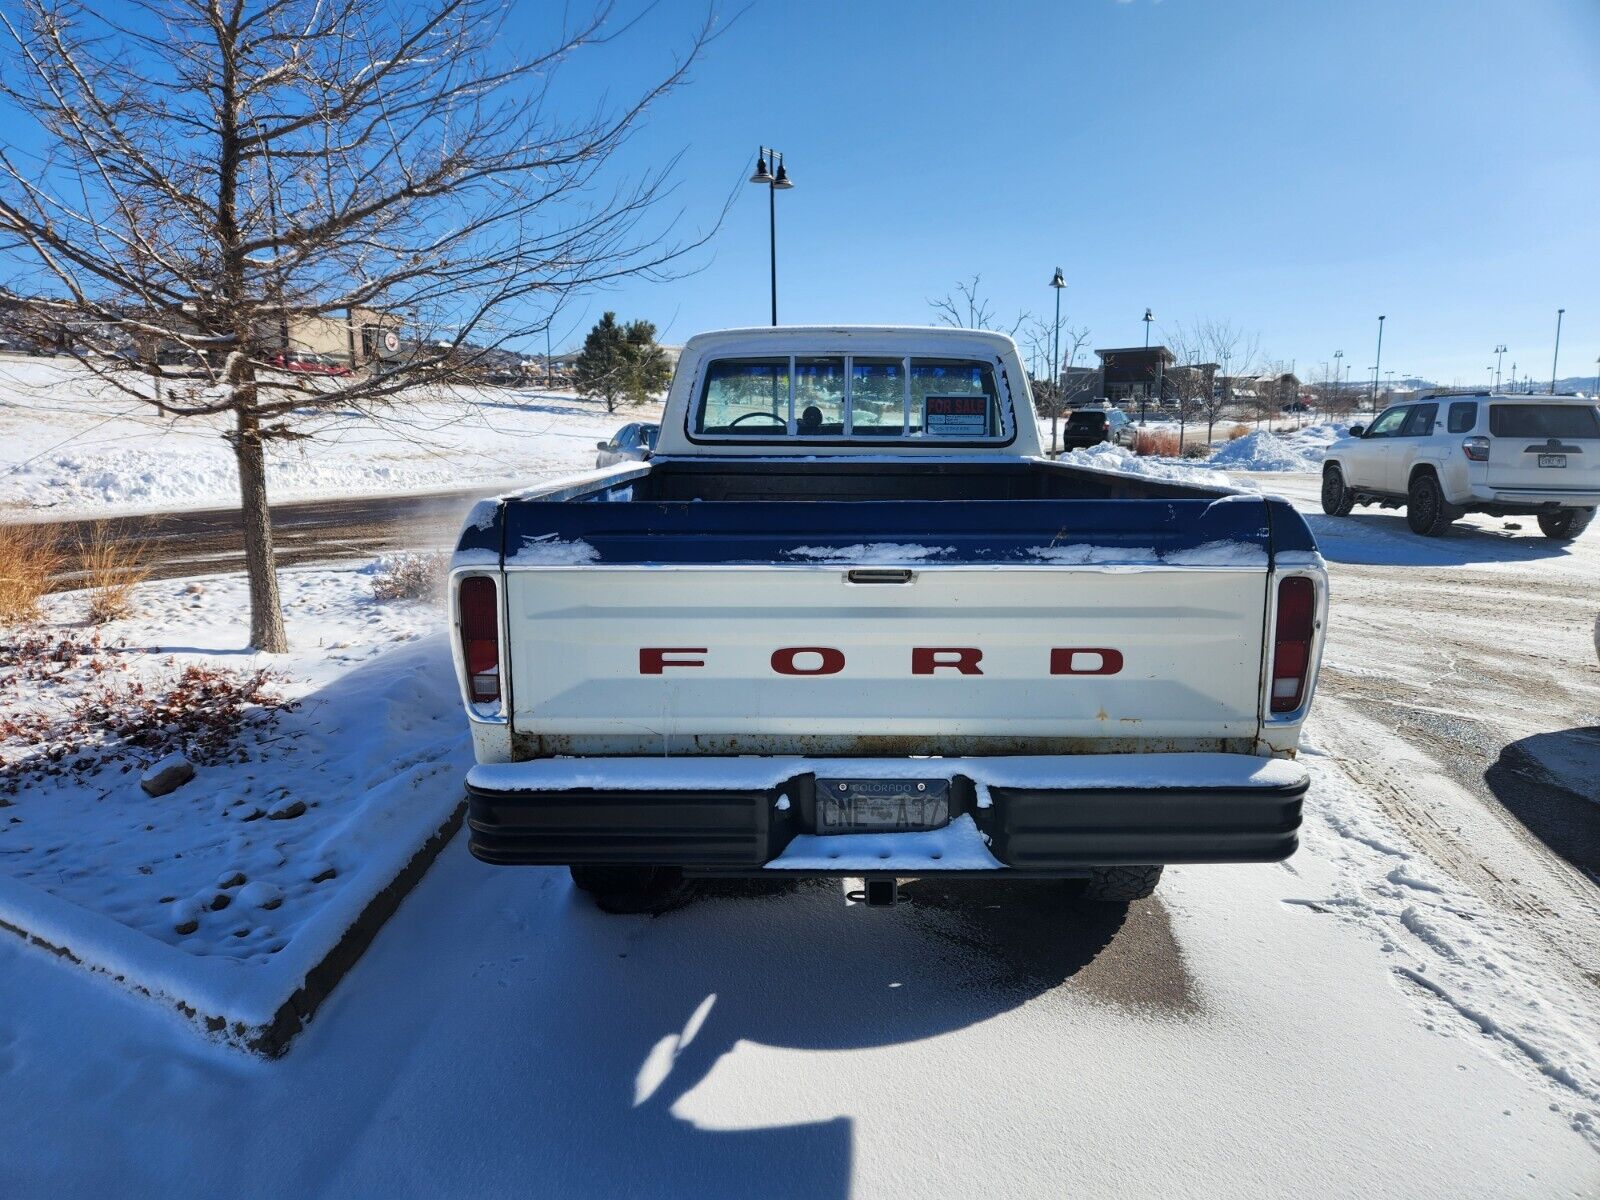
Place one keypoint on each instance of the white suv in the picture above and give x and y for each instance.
(1493, 453)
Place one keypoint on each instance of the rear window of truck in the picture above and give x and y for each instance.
(1544, 420)
(811, 397)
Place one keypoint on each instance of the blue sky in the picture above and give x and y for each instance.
(1295, 167)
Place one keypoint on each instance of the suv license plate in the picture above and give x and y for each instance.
(1552, 460)
(882, 805)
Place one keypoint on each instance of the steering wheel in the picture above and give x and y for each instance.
(766, 416)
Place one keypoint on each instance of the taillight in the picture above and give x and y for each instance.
(480, 638)
(1291, 648)
(1476, 448)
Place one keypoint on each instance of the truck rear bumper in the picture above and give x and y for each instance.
(1036, 815)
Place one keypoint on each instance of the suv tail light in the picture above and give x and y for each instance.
(1291, 648)
(1476, 448)
(480, 638)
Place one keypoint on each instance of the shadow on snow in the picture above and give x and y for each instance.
(558, 1068)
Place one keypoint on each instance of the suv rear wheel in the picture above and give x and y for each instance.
(1565, 524)
(1337, 500)
(1426, 511)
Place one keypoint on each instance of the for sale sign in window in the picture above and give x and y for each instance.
(955, 416)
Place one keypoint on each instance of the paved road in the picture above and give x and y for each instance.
(208, 541)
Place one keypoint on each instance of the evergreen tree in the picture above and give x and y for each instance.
(621, 363)
(650, 373)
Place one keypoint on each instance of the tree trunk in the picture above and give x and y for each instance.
(266, 610)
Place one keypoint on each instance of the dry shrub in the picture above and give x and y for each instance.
(1237, 432)
(1155, 443)
(112, 566)
(29, 557)
(410, 577)
(1197, 450)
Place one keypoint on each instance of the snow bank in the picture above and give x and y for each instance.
(1122, 461)
(1302, 450)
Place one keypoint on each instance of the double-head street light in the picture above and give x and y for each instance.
(1499, 351)
(776, 180)
(1556, 358)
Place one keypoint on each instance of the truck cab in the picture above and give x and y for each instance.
(848, 621)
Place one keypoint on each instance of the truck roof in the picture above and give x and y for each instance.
(813, 336)
(893, 341)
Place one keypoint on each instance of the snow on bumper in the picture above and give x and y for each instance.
(1034, 814)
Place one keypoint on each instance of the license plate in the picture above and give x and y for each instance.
(1552, 460)
(882, 805)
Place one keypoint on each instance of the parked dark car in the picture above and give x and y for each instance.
(1091, 426)
(632, 443)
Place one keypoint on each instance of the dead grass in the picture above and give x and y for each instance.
(29, 557)
(410, 576)
(1155, 443)
(112, 565)
(1237, 432)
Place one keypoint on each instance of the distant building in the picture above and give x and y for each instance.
(1135, 373)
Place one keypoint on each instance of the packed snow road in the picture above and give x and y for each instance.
(1408, 1007)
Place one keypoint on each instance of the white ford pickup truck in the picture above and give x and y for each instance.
(847, 621)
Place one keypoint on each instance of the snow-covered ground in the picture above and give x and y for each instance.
(71, 445)
(1255, 1031)
(223, 893)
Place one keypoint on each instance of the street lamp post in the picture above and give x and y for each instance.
(1376, 366)
(1499, 351)
(1148, 317)
(1059, 282)
(776, 181)
(1337, 387)
(1556, 358)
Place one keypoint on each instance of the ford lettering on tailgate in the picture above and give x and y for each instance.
(921, 660)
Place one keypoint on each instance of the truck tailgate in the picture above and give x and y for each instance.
(902, 628)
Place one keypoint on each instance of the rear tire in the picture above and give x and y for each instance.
(1119, 885)
(1337, 500)
(1426, 511)
(1566, 524)
(624, 888)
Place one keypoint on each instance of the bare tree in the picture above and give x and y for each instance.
(1235, 353)
(970, 309)
(1192, 380)
(215, 174)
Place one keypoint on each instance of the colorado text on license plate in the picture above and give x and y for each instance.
(882, 805)
(1552, 460)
